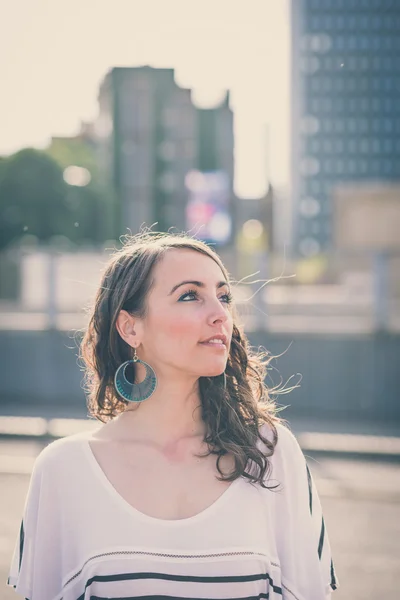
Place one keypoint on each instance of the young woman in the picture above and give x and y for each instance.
(192, 487)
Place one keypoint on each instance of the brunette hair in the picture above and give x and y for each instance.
(233, 416)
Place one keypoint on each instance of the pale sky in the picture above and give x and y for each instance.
(55, 53)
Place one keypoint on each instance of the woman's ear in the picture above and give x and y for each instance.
(125, 325)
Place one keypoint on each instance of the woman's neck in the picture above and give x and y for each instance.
(171, 413)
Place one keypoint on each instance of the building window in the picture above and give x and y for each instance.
(363, 166)
(352, 146)
(374, 166)
(376, 146)
(339, 146)
(388, 43)
(328, 187)
(387, 125)
(314, 23)
(341, 84)
(376, 63)
(340, 43)
(388, 63)
(315, 146)
(351, 167)
(376, 42)
(340, 23)
(326, 84)
(310, 207)
(310, 125)
(315, 186)
(302, 227)
(352, 104)
(352, 125)
(375, 105)
(340, 125)
(388, 84)
(389, 105)
(339, 167)
(387, 166)
(315, 85)
(352, 42)
(351, 63)
(309, 166)
(315, 227)
(315, 105)
(310, 65)
(362, 84)
(352, 22)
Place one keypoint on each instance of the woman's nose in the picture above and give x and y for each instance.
(218, 312)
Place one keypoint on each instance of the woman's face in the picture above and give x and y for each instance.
(187, 307)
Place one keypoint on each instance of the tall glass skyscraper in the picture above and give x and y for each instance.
(345, 107)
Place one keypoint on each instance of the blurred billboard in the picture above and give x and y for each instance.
(208, 210)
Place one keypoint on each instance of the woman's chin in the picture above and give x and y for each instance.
(215, 372)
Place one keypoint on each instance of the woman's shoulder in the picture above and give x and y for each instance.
(283, 439)
(65, 448)
(279, 431)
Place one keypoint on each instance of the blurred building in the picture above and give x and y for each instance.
(148, 130)
(154, 146)
(345, 107)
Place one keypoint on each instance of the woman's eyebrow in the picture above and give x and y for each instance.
(199, 284)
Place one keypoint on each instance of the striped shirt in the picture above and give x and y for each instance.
(80, 540)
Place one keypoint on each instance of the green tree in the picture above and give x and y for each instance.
(32, 197)
(92, 203)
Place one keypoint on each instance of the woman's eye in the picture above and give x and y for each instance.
(193, 295)
(226, 298)
(185, 296)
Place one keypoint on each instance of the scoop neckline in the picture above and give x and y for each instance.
(116, 496)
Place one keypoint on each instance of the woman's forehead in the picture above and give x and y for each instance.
(180, 264)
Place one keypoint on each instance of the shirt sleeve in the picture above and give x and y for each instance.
(35, 565)
(303, 545)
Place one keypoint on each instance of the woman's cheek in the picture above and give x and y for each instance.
(178, 322)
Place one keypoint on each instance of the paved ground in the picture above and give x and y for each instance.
(361, 502)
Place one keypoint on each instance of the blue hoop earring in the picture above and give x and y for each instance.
(135, 392)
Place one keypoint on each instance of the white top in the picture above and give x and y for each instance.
(80, 540)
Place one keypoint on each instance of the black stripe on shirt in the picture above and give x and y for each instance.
(321, 538)
(183, 578)
(333, 576)
(309, 488)
(261, 596)
(21, 542)
(157, 554)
